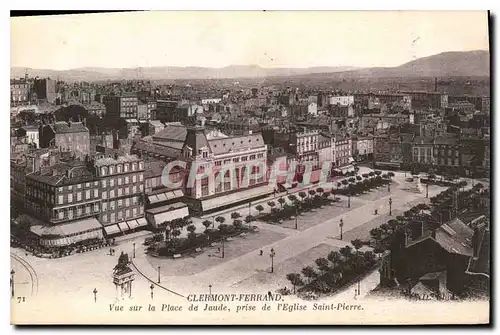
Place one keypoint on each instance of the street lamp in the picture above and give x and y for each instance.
(210, 289)
(341, 225)
(349, 201)
(95, 294)
(390, 206)
(296, 218)
(389, 185)
(152, 287)
(427, 189)
(12, 273)
(134, 248)
(272, 254)
(249, 208)
(223, 247)
(158, 275)
(167, 232)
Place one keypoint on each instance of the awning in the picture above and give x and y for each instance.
(37, 230)
(123, 226)
(113, 229)
(153, 199)
(74, 227)
(132, 224)
(170, 215)
(178, 193)
(142, 222)
(161, 197)
(286, 186)
(236, 197)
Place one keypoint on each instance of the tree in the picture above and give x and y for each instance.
(309, 272)
(357, 243)
(207, 223)
(295, 279)
(322, 264)
(235, 215)
(334, 257)
(376, 234)
(271, 204)
(259, 208)
(312, 192)
(292, 197)
(281, 202)
(303, 195)
(390, 174)
(346, 251)
(345, 181)
(223, 228)
(358, 178)
(351, 179)
(378, 173)
(220, 219)
(365, 175)
(191, 228)
(339, 185)
(320, 190)
(176, 232)
(237, 223)
(249, 218)
(371, 173)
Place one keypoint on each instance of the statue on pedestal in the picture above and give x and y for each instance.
(123, 276)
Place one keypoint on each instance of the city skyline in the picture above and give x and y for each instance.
(152, 39)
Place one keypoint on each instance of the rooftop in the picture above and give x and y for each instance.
(69, 127)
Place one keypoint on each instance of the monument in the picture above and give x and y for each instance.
(123, 276)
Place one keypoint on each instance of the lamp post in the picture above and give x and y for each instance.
(427, 189)
(158, 275)
(223, 247)
(12, 273)
(210, 289)
(341, 225)
(134, 248)
(389, 185)
(296, 218)
(249, 208)
(348, 201)
(152, 287)
(167, 233)
(390, 206)
(95, 294)
(272, 254)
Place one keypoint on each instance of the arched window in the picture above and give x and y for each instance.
(118, 168)
(141, 165)
(134, 166)
(125, 167)
(104, 170)
(111, 169)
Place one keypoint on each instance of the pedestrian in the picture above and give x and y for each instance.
(261, 252)
(110, 251)
(269, 294)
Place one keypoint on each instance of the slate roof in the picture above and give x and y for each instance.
(454, 237)
(66, 128)
(225, 145)
(112, 161)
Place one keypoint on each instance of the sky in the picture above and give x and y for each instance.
(218, 39)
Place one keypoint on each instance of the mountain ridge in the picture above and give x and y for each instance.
(450, 63)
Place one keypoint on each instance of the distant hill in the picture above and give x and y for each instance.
(446, 64)
(160, 73)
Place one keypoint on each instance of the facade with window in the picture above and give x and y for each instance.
(447, 152)
(220, 165)
(121, 180)
(423, 151)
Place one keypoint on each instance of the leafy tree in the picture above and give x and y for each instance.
(309, 272)
(378, 173)
(249, 218)
(271, 204)
(376, 234)
(237, 223)
(223, 228)
(220, 219)
(176, 232)
(320, 190)
(390, 174)
(191, 228)
(295, 279)
(207, 223)
(259, 208)
(346, 251)
(292, 197)
(322, 264)
(235, 215)
(339, 185)
(334, 257)
(345, 181)
(358, 178)
(357, 243)
(365, 175)
(281, 202)
(303, 195)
